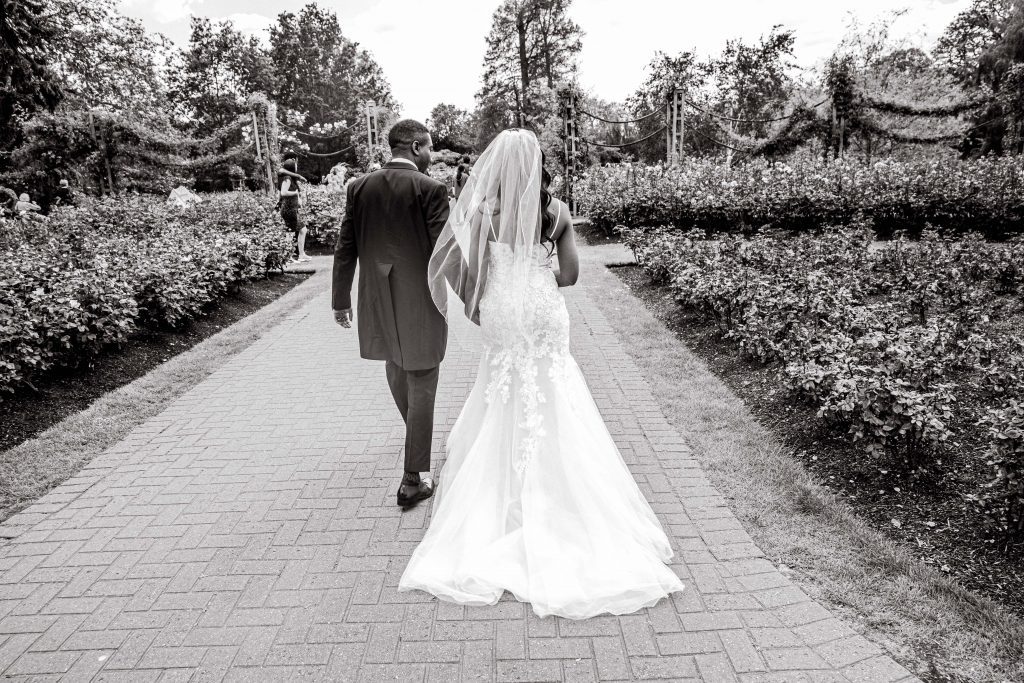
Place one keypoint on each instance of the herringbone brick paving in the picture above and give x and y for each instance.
(249, 533)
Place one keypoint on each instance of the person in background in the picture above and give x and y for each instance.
(462, 175)
(64, 195)
(8, 200)
(26, 205)
(290, 193)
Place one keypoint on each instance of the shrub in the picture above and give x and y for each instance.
(806, 193)
(89, 276)
(880, 342)
(322, 215)
(1004, 497)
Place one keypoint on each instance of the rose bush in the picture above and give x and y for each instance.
(882, 342)
(985, 195)
(88, 277)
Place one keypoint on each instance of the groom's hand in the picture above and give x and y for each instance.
(343, 318)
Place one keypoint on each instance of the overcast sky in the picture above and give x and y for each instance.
(432, 51)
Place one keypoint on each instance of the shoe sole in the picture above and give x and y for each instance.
(407, 503)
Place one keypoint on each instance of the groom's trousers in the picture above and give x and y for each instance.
(414, 392)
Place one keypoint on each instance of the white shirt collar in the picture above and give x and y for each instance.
(400, 160)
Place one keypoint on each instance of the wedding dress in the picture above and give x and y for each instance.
(534, 497)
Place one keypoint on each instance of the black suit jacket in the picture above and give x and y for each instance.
(393, 218)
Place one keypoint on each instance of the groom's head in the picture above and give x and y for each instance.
(411, 140)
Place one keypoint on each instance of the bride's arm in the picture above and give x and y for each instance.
(568, 257)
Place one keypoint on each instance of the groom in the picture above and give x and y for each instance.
(393, 217)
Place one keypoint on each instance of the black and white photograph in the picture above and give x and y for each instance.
(512, 341)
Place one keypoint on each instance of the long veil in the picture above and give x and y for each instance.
(500, 204)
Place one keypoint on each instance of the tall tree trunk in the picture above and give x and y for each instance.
(524, 66)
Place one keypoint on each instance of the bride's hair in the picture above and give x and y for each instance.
(547, 223)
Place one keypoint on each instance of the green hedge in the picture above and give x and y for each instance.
(808, 193)
(896, 348)
(86, 278)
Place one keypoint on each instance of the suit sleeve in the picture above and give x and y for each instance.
(345, 258)
(437, 212)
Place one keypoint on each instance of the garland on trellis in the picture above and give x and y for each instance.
(935, 110)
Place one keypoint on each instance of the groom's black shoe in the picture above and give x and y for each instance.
(412, 492)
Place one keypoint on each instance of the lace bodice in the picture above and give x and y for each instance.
(525, 328)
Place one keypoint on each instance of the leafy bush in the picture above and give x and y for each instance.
(322, 215)
(1005, 495)
(804, 193)
(88, 277)
(881, 342)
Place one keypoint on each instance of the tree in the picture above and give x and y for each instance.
(971, 34)
(532, 45)
(664, 74)
(106, 59)
(451, 128)
(27, 80)
(324, 79)
(214, 75)
(753, 81)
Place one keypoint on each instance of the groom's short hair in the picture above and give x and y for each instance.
(407, 131)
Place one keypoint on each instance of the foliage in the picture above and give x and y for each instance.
(215, 73)
(328, 78)
(806, 193)
(106, 59)
(322, 214)
(88, 277)
(451, 128)
(882, 342)
(26, 71)
(532, 46)
(1005, 496)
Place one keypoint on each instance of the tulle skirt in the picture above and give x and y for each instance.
(567, 530)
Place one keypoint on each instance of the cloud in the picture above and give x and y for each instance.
(250, 23)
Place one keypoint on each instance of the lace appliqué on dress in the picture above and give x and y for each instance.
(517, 345)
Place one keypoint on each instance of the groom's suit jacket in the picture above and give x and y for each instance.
(393, 217)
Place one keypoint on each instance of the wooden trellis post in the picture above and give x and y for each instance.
(570, 147)
(677, 126)
(371, 132)
(266, 145)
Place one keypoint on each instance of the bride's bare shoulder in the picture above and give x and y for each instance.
(559, 212)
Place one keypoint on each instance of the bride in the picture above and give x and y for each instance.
(534, 497)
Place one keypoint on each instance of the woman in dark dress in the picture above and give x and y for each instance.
(290, 205)
(462, 176)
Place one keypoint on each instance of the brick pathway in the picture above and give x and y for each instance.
(249, 532)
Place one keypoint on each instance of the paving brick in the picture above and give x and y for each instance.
(610, 655)
(793, 658)
(295, 655)
(43, 663)
(429, 652)
(671, 667)
(383, 643)
(510, 639)
(528, 670)
(879, 669)
(559, 648)
(638, 635)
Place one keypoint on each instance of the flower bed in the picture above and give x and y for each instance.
(807, 193)
(900, 349)
(86, 278)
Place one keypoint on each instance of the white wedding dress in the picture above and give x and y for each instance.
(534, 497)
